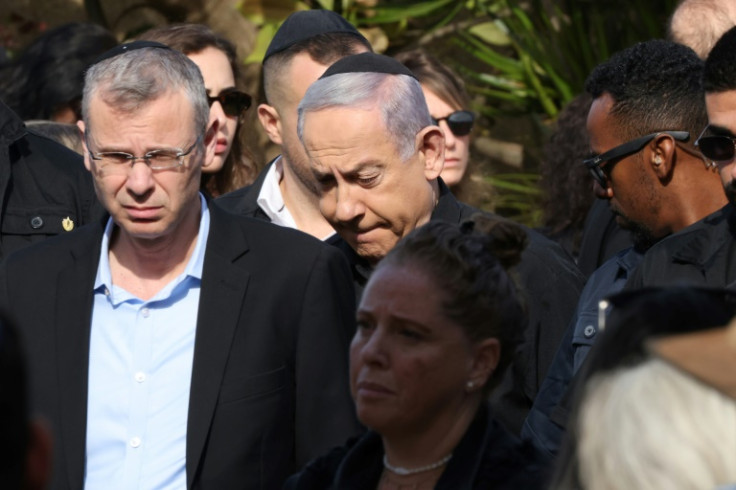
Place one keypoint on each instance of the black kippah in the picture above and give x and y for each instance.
(124, 48)
(307, 24)
(368, 63)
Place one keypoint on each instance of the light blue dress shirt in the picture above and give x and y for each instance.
(140, 371)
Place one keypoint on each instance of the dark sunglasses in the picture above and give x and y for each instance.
(459, 122)
(233, 102)
(719, 148)
(595, 164)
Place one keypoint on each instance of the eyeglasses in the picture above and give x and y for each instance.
(121, 162)
(719, 148)
(595, 164)
(459, 122)
(233, 102)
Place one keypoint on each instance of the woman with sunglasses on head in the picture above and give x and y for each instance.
(437, 325)
(233, 166)
(448, 104)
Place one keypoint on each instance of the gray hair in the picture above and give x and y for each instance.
(131, 79)
(399, 98)
(652, 426)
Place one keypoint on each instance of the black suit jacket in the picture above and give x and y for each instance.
(269, 386)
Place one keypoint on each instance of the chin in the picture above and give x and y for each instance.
(217, 163)
(452, 176)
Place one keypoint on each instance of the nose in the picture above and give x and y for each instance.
(373, 351)
(140, 180)
(347, 204)
(218, 113)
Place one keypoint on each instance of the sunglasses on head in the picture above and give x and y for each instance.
(459, 122)
(595, 164)
(719, 148)
(233, 102)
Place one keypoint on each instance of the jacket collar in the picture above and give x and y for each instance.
(11, 126)
(701, 240)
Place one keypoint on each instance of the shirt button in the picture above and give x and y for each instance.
(36, 222)
(140, 377)
(589, 331)
(145, 312)
(135, 442)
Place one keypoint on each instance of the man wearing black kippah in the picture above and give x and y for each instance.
(377, 158)
(174, 344)
(285, 193)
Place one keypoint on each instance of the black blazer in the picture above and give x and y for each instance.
(269, 380)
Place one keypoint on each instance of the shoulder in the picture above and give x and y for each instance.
(39, 151)
(268, 246)
(321, 473)
(508, 463)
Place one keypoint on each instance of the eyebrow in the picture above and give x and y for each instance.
(352, 172)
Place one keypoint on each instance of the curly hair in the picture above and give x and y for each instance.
(472, 263)
(239, 168)
(719, 74)
(656, 85)
(565, 182)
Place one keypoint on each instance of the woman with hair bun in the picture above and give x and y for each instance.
(437, 325)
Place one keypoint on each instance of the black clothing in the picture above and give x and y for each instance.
(549, 282)
(42, 183)
(702, 254)
(548, 277)
(602, 238)
(244, 201)
(488, 457)
(269, 376)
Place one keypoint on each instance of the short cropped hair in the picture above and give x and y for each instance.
(656, 85)
(652, 426)
(399, 98)
(324, 49)
(132, 79)
(719, 74)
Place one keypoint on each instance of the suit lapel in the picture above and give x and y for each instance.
(224, 283)
(74, 315)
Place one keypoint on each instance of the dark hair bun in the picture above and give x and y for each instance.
(506, 239)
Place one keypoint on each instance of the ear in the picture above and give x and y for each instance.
(486, 355)
(210, 142)
(662, 156)
(87, 163)
(430, 143)
(271, 122)
(39, 455)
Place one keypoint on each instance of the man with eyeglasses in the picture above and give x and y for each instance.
(377, 157)
(705, 253)
(176, 345)
(285, 193)
(646, 111)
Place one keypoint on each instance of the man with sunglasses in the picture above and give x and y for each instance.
(377, 157)
(646, 111)
(174, 344)
(705, 253)
(285, 193)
